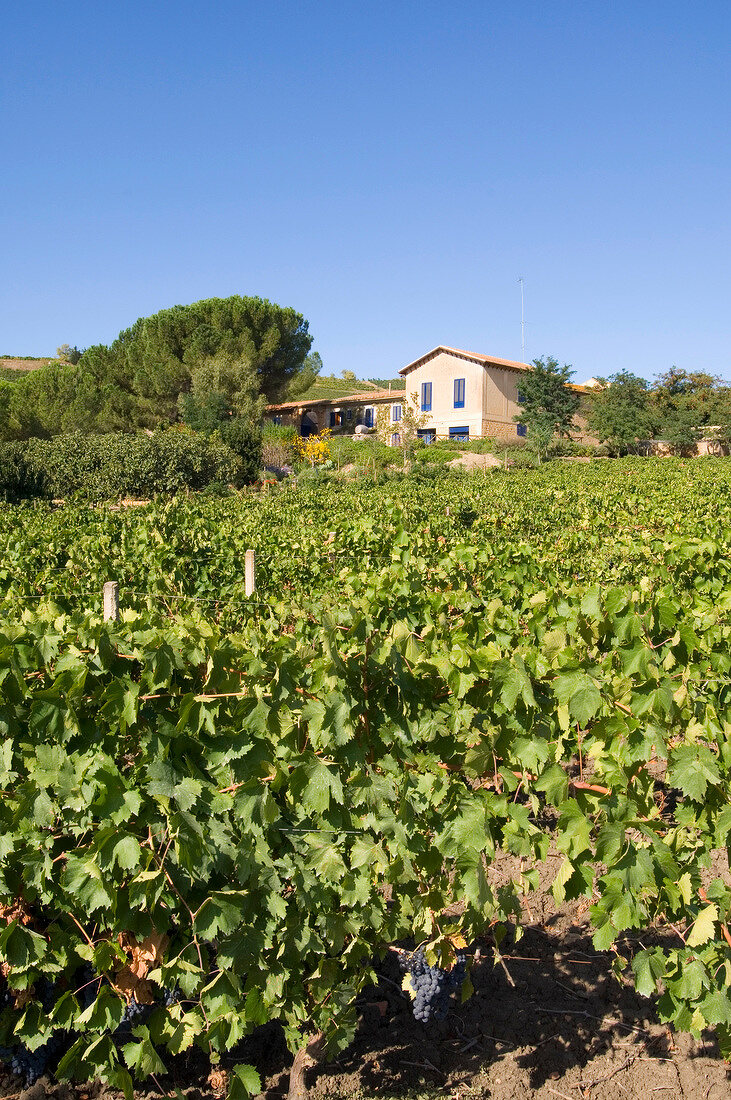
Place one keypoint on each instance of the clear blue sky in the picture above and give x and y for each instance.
(388, 169)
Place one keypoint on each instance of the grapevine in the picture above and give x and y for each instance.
(247, 804)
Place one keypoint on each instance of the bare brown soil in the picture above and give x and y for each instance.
(552, 1022)
(475, 461)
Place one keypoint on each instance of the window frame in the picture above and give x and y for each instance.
(459, 393)
(426, 397)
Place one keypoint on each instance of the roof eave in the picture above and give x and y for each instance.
(473, 357)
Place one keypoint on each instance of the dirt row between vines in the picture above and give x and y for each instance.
(553, 1022)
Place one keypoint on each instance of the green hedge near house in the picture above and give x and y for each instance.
(108, 467)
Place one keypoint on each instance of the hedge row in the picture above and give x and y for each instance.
(107, 467)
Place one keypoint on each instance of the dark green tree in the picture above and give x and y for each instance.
(155, 360)
(5, 398)
(619, 414)
(42, 402)
(690, 405)
(229, 355)
(548, 404)
(222, 386)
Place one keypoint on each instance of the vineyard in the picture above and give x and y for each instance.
(220, 811)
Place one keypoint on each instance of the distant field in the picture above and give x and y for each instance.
(332, 387)
(12, 365)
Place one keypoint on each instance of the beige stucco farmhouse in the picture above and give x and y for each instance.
(459, 394)
(467, 395)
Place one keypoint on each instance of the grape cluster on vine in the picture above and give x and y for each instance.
(134, 1014)
(432, 985)
(30, 1065)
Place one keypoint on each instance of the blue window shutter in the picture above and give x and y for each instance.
(459, 393)
(426, 396)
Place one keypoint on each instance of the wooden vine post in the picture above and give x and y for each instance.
(110, 599)
(249, 573)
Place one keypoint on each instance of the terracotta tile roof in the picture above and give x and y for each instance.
(332, 402)
(490, 360)
(474, 356)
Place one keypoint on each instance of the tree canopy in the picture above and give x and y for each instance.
(620, 413)
(307, 376)
(216, 358)
(548, 404)
(156, 358)
(689, 404)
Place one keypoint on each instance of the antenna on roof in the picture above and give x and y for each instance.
(522, 317)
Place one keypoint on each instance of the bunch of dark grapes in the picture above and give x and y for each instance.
(134, 1013)
(171, 996)
(433, 986)
(29, 1065)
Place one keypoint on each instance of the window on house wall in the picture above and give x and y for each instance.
(522, 429)
(368, 416)
(349, 414)
(426, 435)
(395, 440)
(459, 433)
(521, 396)
(333, 419)
(459, 393)
(395, 413)
(426, 397)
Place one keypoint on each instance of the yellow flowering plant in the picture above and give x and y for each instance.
(315, 449)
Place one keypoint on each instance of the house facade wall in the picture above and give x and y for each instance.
(491, 396)
(341, 415)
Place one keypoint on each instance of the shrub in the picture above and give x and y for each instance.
(567, 448)
(521, 458)
(365, 451)
(18, 481)
(278, 445)
(106, 467)
(245, 442)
